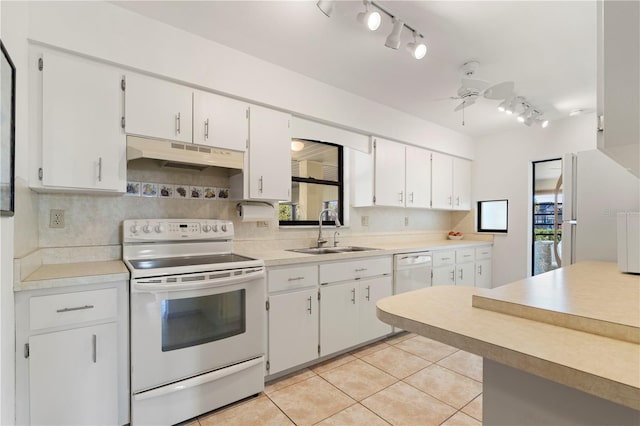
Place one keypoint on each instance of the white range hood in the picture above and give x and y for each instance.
(177, 154)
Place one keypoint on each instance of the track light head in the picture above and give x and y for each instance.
(503, 106)
(417, 49)
(393, 40)
(544, 123)
(371, 19)
(326, 6)
(511, 108)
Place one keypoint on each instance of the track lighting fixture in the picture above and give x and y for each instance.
(512, 106)
(503, 106)
(544, 123)
(530, 114)
(371, 19)
(393, 40)
(326, 6)
(417, 49)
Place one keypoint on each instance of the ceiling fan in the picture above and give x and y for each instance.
(472, 89)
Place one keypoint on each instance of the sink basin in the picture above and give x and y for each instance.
(330, 250)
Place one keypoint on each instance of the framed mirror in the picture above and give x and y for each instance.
(7, 133)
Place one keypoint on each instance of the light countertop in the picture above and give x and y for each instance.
(528, 337)
(71, 274)
(277, 257)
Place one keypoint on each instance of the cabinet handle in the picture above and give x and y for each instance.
(600, 127)
(353, 296)
(206, 129)
(368, 297)
(457, 201)
(309, 308)
(401, 196)
(360, 269)
(295, 279)
(95, 348)
(99, 169)
(450, 201)
(260, 186)
(479, 269)
(411, 200)
(178, 123)
(77, 308)
(453, 276)
(461, 273)
(445, 258)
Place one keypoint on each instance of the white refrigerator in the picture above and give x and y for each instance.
(595, 189)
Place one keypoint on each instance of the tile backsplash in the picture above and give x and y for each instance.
(96, 220)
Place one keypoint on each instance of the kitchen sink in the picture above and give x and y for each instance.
(331, 250)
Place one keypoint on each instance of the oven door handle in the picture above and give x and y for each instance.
(215, 282)
(198, 380)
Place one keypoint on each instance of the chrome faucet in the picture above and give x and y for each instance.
(321, 239)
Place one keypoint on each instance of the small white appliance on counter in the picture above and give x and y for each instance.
(197, 319)
(629, 242)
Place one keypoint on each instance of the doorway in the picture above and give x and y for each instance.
(547, 215)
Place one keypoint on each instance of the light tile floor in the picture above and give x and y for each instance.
(403, 380)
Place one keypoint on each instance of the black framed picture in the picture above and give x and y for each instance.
(7, 133)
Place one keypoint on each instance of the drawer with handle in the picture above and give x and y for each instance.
(355, 269)
(483, 253)
(292, 278)
(72, 308)
(465, 255)
(443, 258)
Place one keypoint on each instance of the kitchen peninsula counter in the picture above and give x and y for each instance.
(541, 327)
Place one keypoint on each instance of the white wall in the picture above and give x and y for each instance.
(502, 169)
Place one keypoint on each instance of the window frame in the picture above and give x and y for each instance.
(339, 184)
(479, 217)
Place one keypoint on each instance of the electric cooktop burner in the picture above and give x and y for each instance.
(170, 262)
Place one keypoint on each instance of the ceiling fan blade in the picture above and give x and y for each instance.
(502, 90)
(466, 103)
(475, 84)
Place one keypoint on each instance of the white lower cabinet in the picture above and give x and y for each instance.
(72, 376)
(465, 267)
(293, 329)
(348, 295)
(292, 313)
(72, 355)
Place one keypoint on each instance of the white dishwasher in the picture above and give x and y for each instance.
(411, 271)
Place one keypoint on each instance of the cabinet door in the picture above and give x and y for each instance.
(418, 177)
(444, 275)
(369, 292)
(73, 376)
(389, 173)
(219, 122)
(483, 273)
(83, 144)
(158, 109)
(338, 317)
(269, 155)
(465, 274)
(441, 181)
(461, 184)
(293, 329)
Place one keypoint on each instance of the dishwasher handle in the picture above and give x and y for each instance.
(410, 260)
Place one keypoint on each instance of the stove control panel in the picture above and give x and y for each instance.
(176, 229)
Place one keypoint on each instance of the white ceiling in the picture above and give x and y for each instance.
(548, 48)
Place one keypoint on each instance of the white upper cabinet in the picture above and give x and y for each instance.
(158, 108)
(220, 122)
(450, 182)
(441, 181)
(418, 177)
(267, 171)
(83, 143)
(397, 175)
(619, 82)
(389, 173)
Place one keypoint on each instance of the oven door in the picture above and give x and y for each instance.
(183, 326)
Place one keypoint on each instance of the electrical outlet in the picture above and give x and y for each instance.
(262, 224)
(364, 220)
(56, 218)
(406, 221)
